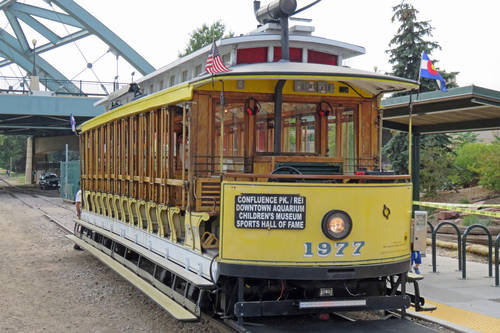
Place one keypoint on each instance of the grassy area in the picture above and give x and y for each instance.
(474, 219)
(16, 178)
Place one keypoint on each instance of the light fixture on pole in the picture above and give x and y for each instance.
(34, 57)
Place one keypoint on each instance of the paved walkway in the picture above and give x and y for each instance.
(471, 305)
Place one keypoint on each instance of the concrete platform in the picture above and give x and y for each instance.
(471, 305)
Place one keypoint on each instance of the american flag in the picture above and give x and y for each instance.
(72, 121)
(214, 62)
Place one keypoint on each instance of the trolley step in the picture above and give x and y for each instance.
(416, 300)
(174, 268)
(176, 310)
(414, 277)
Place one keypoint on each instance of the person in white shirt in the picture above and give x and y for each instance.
(78, 202)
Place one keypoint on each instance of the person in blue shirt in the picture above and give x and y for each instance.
(416, 260)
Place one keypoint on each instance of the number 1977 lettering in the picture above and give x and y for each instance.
(324, 249)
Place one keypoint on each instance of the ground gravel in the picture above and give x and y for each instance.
(47, 286)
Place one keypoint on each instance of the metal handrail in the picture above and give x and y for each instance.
(464, 243)
(434, 233)
(430, 225)
(104, 87)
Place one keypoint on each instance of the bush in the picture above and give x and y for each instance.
(478, 163)
(474, 219)
(464, 201)
(467, 164)
(489, 169)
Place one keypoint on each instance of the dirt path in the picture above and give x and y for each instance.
(46, 286)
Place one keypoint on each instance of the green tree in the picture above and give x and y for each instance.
(203, 36)
(407, 46)
(461, 139)
(436, 166)
(12, 146)
(409, 43)
(397, 149)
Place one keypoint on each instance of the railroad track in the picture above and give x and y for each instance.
(34, 193)
(16, 192)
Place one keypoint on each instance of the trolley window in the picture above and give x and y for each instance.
(332, 134)
(299, 128)
(264, 128)
(234, 135)
(348, 138)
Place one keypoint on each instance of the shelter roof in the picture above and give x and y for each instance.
(458, 109)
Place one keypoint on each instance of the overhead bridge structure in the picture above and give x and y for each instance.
(41, 102)
(34, 112)
(44, 115)
(16, 48)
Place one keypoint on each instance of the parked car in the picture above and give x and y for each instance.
(49, 181)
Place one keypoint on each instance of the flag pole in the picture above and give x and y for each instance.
(410, 121)
(222, 128)
(419, 71)
(213, 51)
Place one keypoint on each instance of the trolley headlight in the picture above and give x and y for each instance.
(336, 224)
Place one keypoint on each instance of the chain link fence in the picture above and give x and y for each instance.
(70, 178)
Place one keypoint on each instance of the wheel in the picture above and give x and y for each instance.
(76, 247)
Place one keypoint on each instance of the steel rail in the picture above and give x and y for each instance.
(44, 213)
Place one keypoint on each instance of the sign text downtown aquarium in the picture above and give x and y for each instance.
(270, 211)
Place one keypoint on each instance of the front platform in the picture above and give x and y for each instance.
(471, 305)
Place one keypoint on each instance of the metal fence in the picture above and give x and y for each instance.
(70, 177)
(20, 85)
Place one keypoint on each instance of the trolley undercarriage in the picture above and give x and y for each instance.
(244, 296)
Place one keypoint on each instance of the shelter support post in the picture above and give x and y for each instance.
(415, 161)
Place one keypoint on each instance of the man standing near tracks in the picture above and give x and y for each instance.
(78, 206)
(78, 201)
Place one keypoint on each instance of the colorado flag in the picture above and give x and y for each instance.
(428, 71)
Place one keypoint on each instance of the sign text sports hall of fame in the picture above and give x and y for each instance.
(270, 211)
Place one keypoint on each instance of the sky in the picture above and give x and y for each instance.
(159, 29)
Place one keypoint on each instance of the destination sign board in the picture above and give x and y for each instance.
(270, 211)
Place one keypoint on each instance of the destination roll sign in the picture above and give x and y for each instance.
(270, 211)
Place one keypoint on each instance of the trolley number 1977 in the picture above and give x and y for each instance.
(324, 249)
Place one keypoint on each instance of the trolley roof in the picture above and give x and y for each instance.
(362, 81)
(374, 83)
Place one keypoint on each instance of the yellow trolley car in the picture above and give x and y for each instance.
(254, 192)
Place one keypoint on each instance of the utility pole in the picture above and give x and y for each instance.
(35, 80)
(66, 174)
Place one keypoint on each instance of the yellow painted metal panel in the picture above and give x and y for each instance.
(259, 85)
(207, 83)
(373, 239)
(176, 94)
